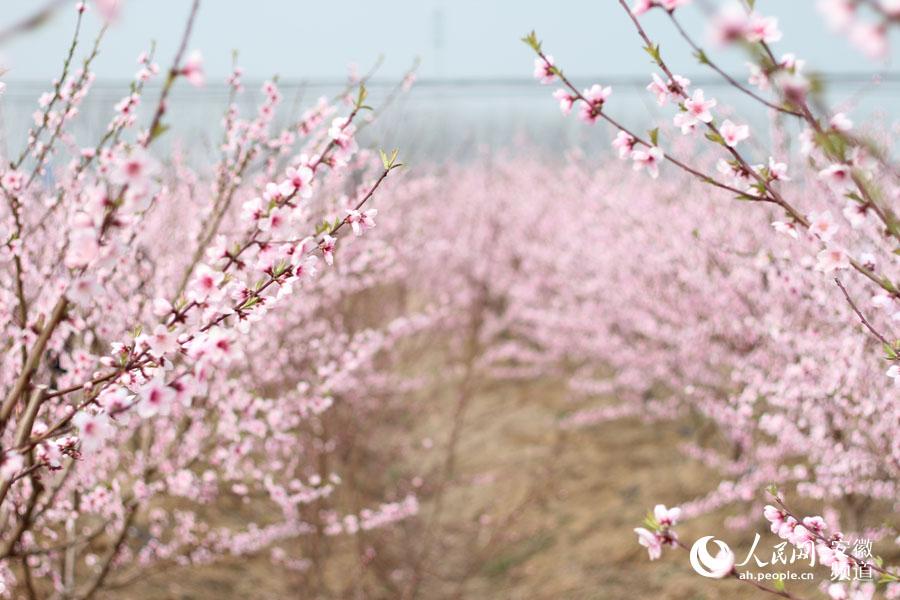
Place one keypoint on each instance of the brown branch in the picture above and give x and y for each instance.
(704, 59)
(173, 74)
(106, 564)
(861, 316)
(34, 358)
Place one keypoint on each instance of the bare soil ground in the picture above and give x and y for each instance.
(534, 512)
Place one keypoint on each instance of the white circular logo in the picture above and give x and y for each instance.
(705, 564)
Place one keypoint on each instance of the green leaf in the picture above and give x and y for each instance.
(701, 57)
(654, 136)
(651, 522)
(390, 162)
(158, 130)
(715, 137)
(653, 51)
(279, 269)
(249, 303)
(778, 584)
(532, 41)
(323, 227)
(361, 97)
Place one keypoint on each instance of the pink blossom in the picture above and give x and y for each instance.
(219, 345)
(840, 122)
(360, 222)
(778, 170)
(882, 300)
(891, 7)
(839, 14)
(642, 6)
(758, 77)
(894, 373)
(775, 516)
(83, 247)
(838, 177)
(327, 245)
(730, 24)
(649, 159)
(156, 398)
(305, 266)
(300, 179)
(698, 107)
(93, 429)
(566, 100)
(338, 127)
(837, 591)
(870, 38)
(686, 122)
(204, 282)
(277, 221)
(666, 517)
(801, 536)
(109, 9)
(815, 524)
(651, 541)
(671, 5)
(666, 91)
(161, 341)
(274, 193)
(659, 89)
(786, 228)
(624, 143)
(12, 463)
(787, 528)
(84, 290)
(12, 180)
(193, 69)
(832, 259)
(733, 134)
(856, 212)
(134, 169)
(793, 86)
(543, 70)
(868, 260)
(762, 29)
(822, 225)
(594, 96)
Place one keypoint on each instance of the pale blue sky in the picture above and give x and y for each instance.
(456, 38)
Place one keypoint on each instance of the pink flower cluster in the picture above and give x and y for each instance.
(170, 332)
(788, 413)
(661, 533)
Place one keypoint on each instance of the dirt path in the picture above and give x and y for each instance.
(534, 512)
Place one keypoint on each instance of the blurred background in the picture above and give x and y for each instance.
(474, 89)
